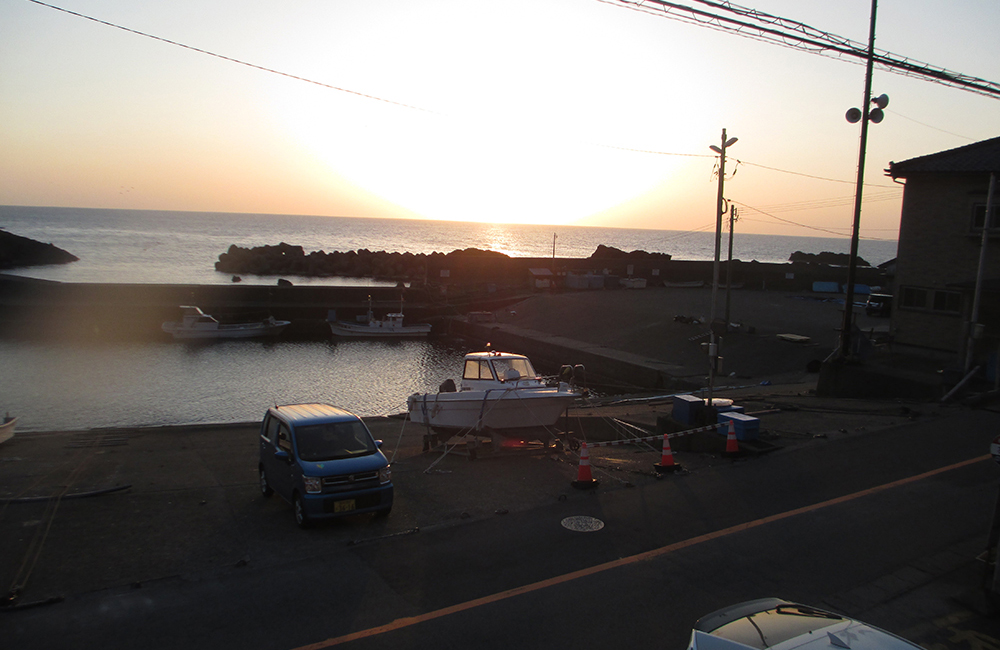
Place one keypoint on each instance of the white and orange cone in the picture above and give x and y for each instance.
(584, 479)
(732, 445)
(667, 463)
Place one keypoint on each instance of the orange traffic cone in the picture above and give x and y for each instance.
(584, 479)
(732, 445)
(667, 458)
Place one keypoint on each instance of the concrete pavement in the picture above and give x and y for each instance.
(191, 514)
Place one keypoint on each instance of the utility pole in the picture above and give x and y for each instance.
(733, 216)
(713, 346)
(845, 331)
(974, 334)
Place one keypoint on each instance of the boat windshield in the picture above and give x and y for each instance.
(477, 369)
(333, 440)
(518, 364)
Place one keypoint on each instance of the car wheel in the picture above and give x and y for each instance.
(265, 488)
(301, 518)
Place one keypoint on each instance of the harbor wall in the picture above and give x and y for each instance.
(39, 308)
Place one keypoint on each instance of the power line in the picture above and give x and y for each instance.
(229, 58)
(930, 126)
(796, 223)
(820, 178)
(760, 26)
(835, 202)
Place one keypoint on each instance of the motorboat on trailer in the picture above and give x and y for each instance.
(500, 392)
(196, 324)
(368, 326)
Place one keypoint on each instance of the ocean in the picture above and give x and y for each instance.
(140, 246)
(56, 386)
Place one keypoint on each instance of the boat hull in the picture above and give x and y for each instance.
(384, 331)
(7, 429)
(239, 331)
(504, 410)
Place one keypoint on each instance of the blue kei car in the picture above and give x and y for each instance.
(324, 461)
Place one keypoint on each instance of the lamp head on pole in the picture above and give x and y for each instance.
(714, 148)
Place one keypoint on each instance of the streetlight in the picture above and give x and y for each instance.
(713, 346)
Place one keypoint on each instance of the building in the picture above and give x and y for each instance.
(938, 260)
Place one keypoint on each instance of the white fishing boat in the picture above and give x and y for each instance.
(7, 428)
(369, 326)
(196, 324)
(499, 391)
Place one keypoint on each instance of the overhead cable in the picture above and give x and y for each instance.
(227, 58)
(757, 25)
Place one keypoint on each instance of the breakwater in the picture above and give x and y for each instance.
(39, 308)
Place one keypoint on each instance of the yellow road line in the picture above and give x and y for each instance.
(401, 623)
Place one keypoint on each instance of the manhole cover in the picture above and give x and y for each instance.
(582, 524)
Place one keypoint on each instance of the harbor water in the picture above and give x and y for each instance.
(54, 385)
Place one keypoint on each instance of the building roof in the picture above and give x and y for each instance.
(978, 157)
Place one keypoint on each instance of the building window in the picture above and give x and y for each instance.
(913, 298)
(937, 300)
(979, 214)
(949, 301)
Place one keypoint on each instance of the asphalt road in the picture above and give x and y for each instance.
(883, 525)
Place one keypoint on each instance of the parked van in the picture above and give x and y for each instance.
(879, 304)
(324, 461)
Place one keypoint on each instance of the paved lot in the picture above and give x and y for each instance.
(116, 511)
(192, 521)
(202, 481)
(643, 322)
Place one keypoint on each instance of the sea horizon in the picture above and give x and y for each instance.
(181, 247)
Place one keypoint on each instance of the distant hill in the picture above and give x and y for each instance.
(17, 251)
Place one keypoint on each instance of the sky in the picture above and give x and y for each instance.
(582, 112)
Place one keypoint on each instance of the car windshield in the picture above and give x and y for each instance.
(333, 440)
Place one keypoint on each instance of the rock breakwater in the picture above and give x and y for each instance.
(17, 252)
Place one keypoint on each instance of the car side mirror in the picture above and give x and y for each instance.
(281, 454)
(378, 443)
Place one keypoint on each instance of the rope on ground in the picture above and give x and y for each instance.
(624, 428)
(399, 440)
(447, 450)
(37, 543)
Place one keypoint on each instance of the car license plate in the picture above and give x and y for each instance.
(343, 506)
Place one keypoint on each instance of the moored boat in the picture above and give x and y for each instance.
(196, 324)
(499, 391)
(369, 326)
(7, 428)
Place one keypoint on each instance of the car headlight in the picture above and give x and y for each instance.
(385, 475)
(314, 484)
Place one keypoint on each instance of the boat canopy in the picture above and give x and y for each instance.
(493, 366)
